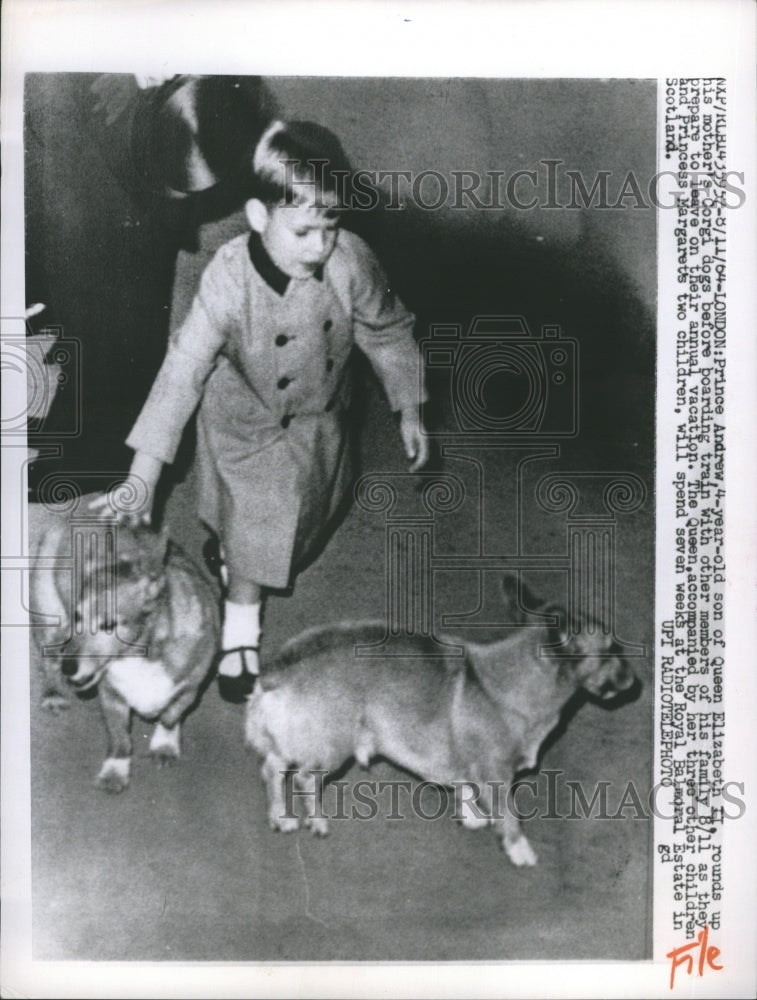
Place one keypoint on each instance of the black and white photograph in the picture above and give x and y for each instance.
(368, 532)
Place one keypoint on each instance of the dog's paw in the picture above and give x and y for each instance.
(165, 745)
(165, 757)
(520, 853)
(55, 702)
(114, 775)
(318, 825)
(286, 824)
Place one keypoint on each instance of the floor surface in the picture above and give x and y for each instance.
(182, 866)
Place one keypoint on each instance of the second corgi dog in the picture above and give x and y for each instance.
(472, 721)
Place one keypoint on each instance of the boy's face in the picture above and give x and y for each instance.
(299, 238)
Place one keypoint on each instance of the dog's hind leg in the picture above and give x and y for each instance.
(310, 786)
(472, 807)
(281, 815)
(115, 772)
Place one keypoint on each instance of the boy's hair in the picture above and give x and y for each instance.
(295, 159)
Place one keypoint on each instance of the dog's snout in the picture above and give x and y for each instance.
(620, 679)
(69, 666)
(616, 652)
(625, 676)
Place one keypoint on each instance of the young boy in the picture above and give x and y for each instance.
(264, 351)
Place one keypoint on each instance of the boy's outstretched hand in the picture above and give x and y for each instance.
(414, 438)
(132, 500)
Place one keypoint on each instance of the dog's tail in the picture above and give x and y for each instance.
(322, 638)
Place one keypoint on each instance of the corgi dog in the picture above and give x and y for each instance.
(472, 722)
(141, 626)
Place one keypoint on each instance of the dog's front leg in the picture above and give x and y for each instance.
(471, 807)
(55, 694)
(115, 772)
(310, 786)
(281, 815)
(165, 745)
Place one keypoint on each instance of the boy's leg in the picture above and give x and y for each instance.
(238, 664)
(215, 560)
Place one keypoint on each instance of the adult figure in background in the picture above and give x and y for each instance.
(119, 172)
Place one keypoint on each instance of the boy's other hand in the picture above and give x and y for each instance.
(414, 438)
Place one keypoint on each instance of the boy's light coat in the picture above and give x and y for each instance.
(272, 450)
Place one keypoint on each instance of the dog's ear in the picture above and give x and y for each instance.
(561, 637)
(510, 587)
(519, 598)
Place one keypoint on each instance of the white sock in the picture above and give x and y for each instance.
(241, 627)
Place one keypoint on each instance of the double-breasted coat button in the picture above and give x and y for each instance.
(282, 340)
(283, 382)
(286, 420)
(327, 325)
(330, 365)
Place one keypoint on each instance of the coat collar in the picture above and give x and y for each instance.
(273, 276)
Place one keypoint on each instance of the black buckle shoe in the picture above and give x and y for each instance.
(237, 689)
